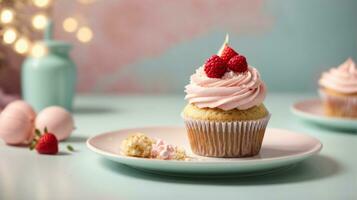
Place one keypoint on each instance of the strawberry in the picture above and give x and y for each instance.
(215, 67)
(228, 53)
(238, 64)
(46, 143)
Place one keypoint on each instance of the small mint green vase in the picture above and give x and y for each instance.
(49, 79)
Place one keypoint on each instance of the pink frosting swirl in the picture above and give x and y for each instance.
(342, 78)
(233, 90)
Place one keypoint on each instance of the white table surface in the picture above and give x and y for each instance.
(84, 175)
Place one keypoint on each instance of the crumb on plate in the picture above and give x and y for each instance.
(137, 145)
(140, 145)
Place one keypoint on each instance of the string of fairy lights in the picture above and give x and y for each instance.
(21, 19)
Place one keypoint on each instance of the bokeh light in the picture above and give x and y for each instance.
(39, 21)
(7, 15)
(9, 36)
(22, 45)
(84, 34)
(20, 19)
(39, 50)
(41, 3)
(86, 1)
(70, 24)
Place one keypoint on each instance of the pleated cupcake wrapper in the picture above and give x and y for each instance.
(343, 106)
(226, 139)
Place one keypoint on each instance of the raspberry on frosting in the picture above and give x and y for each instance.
(226, 60)
(215, 67)
(238, 64)
(228, 53)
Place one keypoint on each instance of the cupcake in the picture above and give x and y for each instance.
(225, 115)
(338, 90)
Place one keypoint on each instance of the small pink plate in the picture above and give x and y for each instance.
(312, 110)
(280, 148)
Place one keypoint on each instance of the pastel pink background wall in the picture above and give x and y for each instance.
(127, 32)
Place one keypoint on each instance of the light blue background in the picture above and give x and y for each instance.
(306, 38)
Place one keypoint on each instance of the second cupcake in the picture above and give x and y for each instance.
(225, 115)
(338, 90)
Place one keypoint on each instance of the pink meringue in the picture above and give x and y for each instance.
(342, 78)
(15, 126)
(57, 120)
(24, 107)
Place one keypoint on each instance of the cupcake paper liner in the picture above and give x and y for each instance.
(226, 139)
(339, 106)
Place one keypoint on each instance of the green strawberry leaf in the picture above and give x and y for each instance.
(37, 132)
(70, 148)
(32, 145)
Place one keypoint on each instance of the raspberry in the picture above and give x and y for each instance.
(238, 64)
(215, 67)
(228, 53)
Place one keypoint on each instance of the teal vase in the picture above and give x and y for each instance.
(50, 79)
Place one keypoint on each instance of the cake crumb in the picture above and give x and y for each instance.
(140, 145)
(137, 145)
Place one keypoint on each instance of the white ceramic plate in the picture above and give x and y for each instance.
(280, 148)
(312, 110)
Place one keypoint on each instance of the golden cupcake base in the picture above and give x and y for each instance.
(226, 139)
